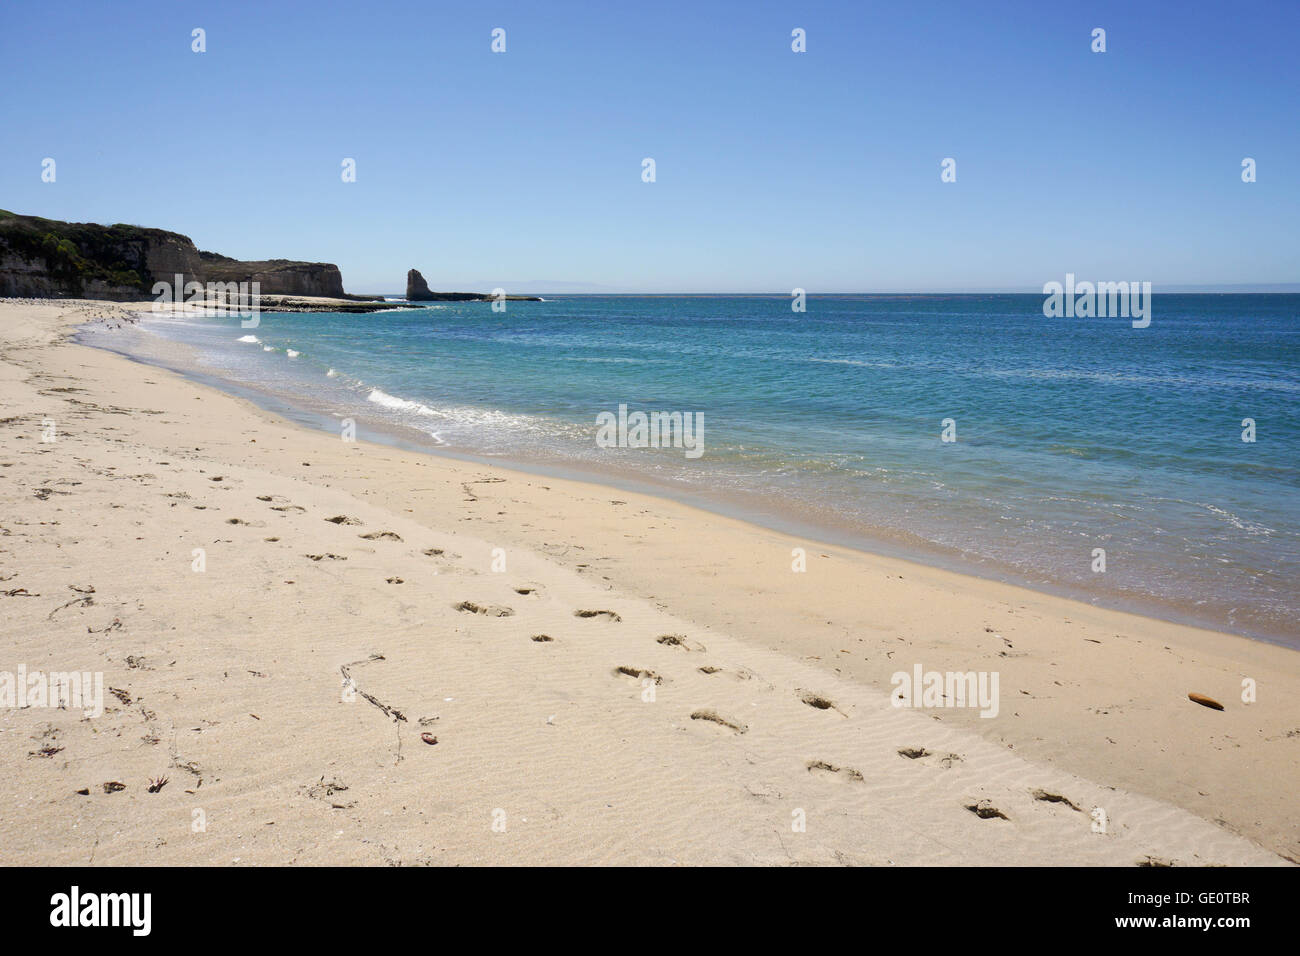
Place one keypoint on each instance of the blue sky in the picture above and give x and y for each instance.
(775, 170)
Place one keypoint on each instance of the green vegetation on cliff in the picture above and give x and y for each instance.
(76, 253)
(45, 257)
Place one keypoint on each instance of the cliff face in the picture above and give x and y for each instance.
(168, 253)
(33, 279)
(48, 258)
(277, 276)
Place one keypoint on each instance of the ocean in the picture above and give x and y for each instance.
(1083, 456)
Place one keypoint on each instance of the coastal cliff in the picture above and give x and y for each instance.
(277, 276)
(50, 259)
(47, 258)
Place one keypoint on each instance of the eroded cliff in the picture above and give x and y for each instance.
(45, 258)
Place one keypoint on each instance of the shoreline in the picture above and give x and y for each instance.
(1086, 691)
(766, 510)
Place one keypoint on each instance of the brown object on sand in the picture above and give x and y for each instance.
(1205, 701)
(429, 738)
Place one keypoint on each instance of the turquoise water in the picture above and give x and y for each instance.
(1071, 434)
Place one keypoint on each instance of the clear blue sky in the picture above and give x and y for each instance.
(775, 170)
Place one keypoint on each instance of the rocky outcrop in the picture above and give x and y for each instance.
(353, 303)
(417, 290)
(48, 258)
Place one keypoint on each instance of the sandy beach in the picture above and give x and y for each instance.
(282, 619)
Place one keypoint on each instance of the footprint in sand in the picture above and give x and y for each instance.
(607, 615)
(986, 811)
(930, 759)
(527, 590)
(739, 673)
(712, 717)
(818, 702)
(847, 774)
(679, 640)
(1047, 797)
(636, 673)
(543, 639)
(342, 519)
(490, 610)
(381, 536)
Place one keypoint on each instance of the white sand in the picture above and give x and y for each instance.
(233, 675)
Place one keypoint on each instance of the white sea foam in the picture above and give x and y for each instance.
(268, 348)
(399, 404)
(1238, 522)
(479, 420)
(249, 338)
(291, 353)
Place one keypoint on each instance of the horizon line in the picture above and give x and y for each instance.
(1262, 288)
